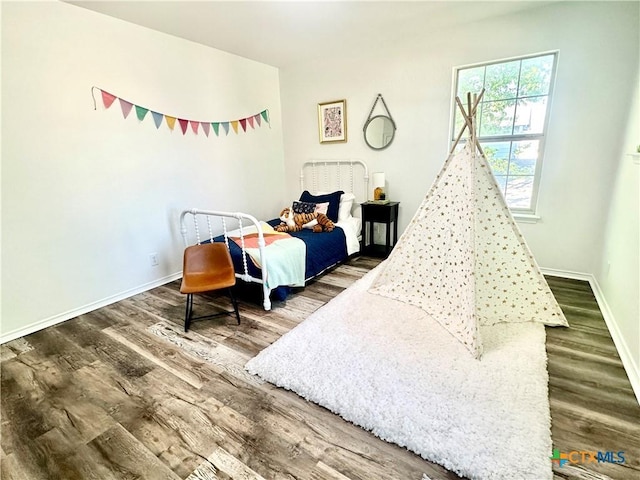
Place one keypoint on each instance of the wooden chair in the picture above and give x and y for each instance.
(207, 267)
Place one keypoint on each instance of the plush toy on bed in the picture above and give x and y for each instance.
(294, 222)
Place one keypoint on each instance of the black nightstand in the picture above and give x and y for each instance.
(386, 213)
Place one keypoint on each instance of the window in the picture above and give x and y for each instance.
(512, 120)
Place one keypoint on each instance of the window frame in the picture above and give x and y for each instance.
(521, 213)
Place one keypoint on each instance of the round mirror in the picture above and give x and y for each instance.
(379, 132)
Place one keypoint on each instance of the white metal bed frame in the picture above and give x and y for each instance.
(330, 175)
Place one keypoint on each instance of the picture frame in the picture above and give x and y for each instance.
(332, 121)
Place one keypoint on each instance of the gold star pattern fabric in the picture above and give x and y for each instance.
(463, 260)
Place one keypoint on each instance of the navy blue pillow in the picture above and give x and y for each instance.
(332, 198)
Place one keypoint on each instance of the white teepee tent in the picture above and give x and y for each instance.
(462, 259)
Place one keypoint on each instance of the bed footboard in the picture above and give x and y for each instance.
(213, 220)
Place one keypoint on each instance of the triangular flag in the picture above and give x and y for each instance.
(205, 127)
(126, 107)
(234, 124)
(258, 118)
(141, 112)
(243, 122)
(265, 115)
(216, 127)
(107, 99)
(194, 126)
(171, 121)
(183, 125)
(251, 121)
(225, 125)
(157, 118)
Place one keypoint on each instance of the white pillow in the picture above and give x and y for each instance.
(346, 202)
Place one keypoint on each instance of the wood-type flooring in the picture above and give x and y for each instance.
(124, 393)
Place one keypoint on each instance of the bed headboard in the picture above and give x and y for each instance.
(327, 175)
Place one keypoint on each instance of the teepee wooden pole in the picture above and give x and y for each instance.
(464, 127)
(476, 102)
(467, 124)
(472, 119)
(469, 120)
(470, 114)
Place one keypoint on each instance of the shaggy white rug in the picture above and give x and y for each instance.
(385, 366)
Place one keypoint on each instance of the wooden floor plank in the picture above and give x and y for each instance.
(108, 350)
(166, 356)
(127, 457)
(67, 459)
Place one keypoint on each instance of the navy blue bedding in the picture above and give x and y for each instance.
(324, 250)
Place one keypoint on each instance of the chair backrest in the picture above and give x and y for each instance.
(207, 256)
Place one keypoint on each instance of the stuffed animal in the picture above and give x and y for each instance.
(294, 222)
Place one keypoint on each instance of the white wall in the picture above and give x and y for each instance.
(87, 195)
(619, 272)
(598, 45)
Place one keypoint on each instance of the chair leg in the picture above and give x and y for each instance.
(188, 315)
(235, 305)
(189, 311)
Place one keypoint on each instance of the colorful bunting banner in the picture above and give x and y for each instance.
(126, 107)
(157, 118)
(107, 99)
(183, 125)
(141, 112)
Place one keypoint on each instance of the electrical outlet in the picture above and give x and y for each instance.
(153, 259)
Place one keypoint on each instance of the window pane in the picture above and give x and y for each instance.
(530, 115)
(502, 181)
(470, 80)
(524, 156)
(497, 154)
(535, 77)
(496, 118)
(460, 145)
(511, 121)
(501, 80)
(519, 192)
(458, 125)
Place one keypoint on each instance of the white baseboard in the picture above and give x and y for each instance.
(587, 277)
(62, 317)
(632, 369)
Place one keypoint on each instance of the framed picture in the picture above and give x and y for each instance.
(332, 121)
